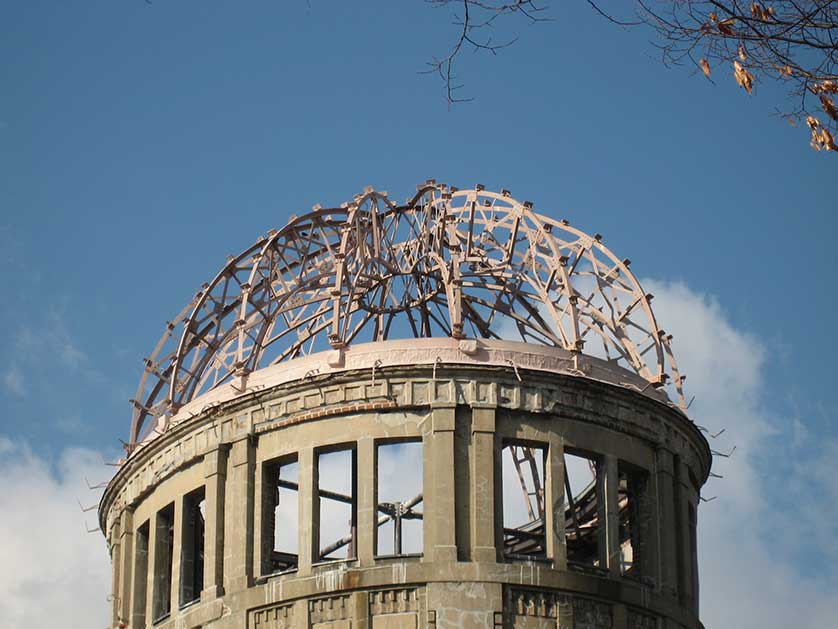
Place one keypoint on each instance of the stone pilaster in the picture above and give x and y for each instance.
(611, 523)
(482, 515)
(126, 559)
(666, 523)
(215, 473)
(238, 517)
(116, 570)
(309, 511)
(177, 545)
(366, 500)
(443, 505)
(554, 503)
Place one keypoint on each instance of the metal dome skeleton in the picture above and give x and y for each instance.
(449, 262)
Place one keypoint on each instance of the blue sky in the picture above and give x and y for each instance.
(140, 144)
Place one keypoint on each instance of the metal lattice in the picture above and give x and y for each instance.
(458, 263)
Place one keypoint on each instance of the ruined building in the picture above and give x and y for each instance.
(449, 413)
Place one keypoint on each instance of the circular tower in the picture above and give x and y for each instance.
(453, 412)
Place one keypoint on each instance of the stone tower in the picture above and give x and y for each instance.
(449, 413)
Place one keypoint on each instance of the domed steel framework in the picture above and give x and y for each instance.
(449, 262)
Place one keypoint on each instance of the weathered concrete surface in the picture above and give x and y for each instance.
(462, 412)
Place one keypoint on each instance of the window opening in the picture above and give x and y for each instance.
(399, 491)
(523, 500)
(582, 521)
(192, 547)
(163, 549)
(140, 575)
(280, 532)
(336, 495)
(632, 531)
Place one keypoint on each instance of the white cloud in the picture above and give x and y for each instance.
(51, 570)
(751, 534)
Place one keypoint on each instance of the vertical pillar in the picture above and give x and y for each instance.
(428, 529)
(647, 511)
(261, 551)
(609, 528)
(308, 512)
(177, 555)
(127, 558)
(443, 508)
(116, 571)
(685, 549)
(483, 542)
(554, 501)
(366, 499)
(215, 473)
(497, 458)
(667, 540)
(238, 518)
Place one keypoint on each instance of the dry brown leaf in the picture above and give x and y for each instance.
(785, 70)
(761, 13)
(742, 54)
(705, 67)
(726, 26)
(743, 77)
(713, 17)
(815, 141)
(825, 87)
(822, 139)
(829, 107)
(828, 141)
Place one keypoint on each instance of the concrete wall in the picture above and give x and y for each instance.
(462, 416)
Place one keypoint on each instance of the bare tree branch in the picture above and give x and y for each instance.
(794, 42)
(477, 17)
(611, 18)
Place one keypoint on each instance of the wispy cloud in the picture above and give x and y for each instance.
(50, 340)
(753, 536)
(13, 382)
(36, 350)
